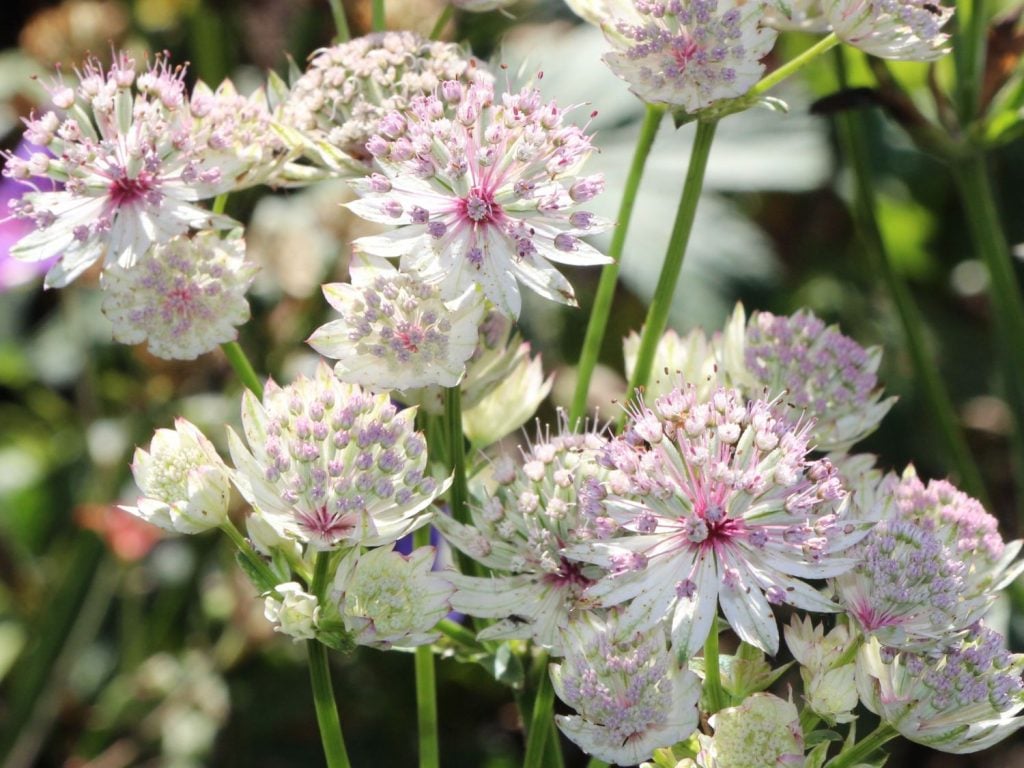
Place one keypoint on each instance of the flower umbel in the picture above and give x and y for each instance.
(762, 732)
(907, 30)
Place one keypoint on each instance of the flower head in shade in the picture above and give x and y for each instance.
(331, 465)
(295, 612)
(816, 369)
(134, 155)
(688, 54)
(717, 504)
(183, 297)
(389, 599)
(395, 332)
(185, 483)
(829, 688)
(907, 30)
(963, 699)
(540, 506)
(338, 103)
(629, 690)
(762, 732)
(484, 191)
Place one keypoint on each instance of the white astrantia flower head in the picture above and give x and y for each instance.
(183, 298)
(717, 504)
(814, 368)
(332, 466)
(678, 360)
(829, 690)
(184, 481)
(688, 54)
(761, 732)
(906, 30)
(134, 154)
(962, 699)
(388, 599)
(539, 506)
(334, 108)
(631, 694)
(395, 331)
(484, 191)
(294, 612)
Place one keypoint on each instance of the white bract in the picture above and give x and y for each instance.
(294, 611)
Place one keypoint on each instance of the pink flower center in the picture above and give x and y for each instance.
(179, 300)
(125, 190)
(479, 207)
(327, 526)
(569, 574)
(684, 49)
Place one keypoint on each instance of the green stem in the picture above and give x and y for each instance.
(243, 368)
(426, 689)
(852, 140)
(268, 581)
(596, 762)
(220, 202)
(714, 693)
(540, 718)
(378, 22)
(795, 64)
(442, 21)
(864, 748)
(460, 635)
(456, 453)
(969, 56)
(320, 677)
(657, 314)
(340, 21)
(601, 311)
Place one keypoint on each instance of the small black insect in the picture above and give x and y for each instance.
(932, 9)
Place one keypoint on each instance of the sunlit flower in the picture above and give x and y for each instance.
(960, 700)
(183, 297)
(395, 332)
(184, 481)
(762, 732)
(629, 690)
(908, 30)
(294, 611)
(488, 197)
(718, 504)
(331, 465)
(389, 599)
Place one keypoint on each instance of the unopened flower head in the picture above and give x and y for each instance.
(819, 371)
(907, 30)
(134, 154)
(389, 599)
(183, 297)
(294, 612)
(338, 103)
(331, 465)
(184, 481)
(631, 694)
(829, 688)
(678, 360)
(762, 732)
(718, 504)
(540, 505)
(959, 700)
(395, 331)
(689, 53)
(484, 191)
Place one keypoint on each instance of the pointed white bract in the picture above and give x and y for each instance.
(631, 694)
(294, 612)
(332, 466)
(907, 30)
(184, 481)
(183, 297)
(484, 191)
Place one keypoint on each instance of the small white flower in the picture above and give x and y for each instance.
(183, 297)
(184, 481)
(396, 332)
(907, 30)
(389, 599)
(294, 611)
(762, 732)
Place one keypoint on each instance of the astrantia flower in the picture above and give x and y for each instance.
(133, 154)
(386, 598)
(395, 332)
(294, 611)
(540, 506)
(678, 360)
(762, 732)
(631, 694)
(829, 689)
(331, 465)
(183, 297)
(817, 370)
(960, 700)
(688, 53)
(488, 197)
(908, 30)
(337, 104)
(184, 481)
(718, 504)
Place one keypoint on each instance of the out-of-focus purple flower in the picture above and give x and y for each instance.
(12, 271)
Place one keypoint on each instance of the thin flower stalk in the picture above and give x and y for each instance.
(714, 693)
(969, 56)
(442, 22)
(864, 748)
(320, 678)
(540, 720)
(601, 310)
(242, 367)
(794, 65)
(426, 688)
(379, 17)
(340, 21)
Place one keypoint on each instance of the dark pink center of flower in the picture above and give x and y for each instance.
(712, 527)
(479, 207)
(325, 525)
(125, 190)
(569, 574)
(684, 49)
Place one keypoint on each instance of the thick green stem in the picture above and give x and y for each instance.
(220, 202)
(864, 748)
(243, 368)
(442, 22)
(378, 18)
(426, 689)
(340, 21)
(320, 677)
(792, 66)
(456, 453)
(598, 323)
(969, 56)
(657, 314)
(940, 405)
(541, 717)
(714, 693)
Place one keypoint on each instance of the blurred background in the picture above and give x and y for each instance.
(121, 647)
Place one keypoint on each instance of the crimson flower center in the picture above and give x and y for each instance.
(125, 190)
(479, 207)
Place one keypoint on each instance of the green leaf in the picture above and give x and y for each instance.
(253, 574)
(817, 756)
(817, 737)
